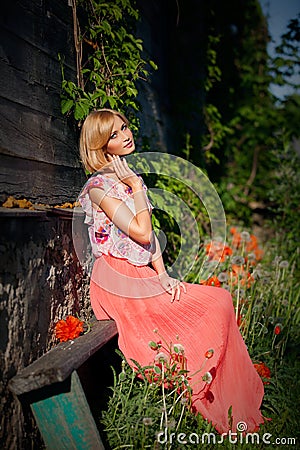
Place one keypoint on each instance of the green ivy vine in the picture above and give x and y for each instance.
(110, 59)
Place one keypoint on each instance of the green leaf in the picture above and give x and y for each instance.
(157, 370)
(153, 65)
(66, 105)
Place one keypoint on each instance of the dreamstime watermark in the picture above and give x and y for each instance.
(184, 174)
(239, 437)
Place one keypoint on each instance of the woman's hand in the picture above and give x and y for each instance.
(124, 173)
(171, 285)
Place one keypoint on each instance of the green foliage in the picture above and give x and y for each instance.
(150, 400)
(112, 62)
(286, 64)
(284, 198)
(216, 131)
(244, 120)
(179, 240)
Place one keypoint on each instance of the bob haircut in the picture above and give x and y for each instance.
(95, 133)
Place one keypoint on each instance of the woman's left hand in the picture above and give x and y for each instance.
(171, 285)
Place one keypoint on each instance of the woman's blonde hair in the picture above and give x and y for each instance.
(94, 137)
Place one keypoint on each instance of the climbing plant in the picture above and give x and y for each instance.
(216, 131)
(109, 59)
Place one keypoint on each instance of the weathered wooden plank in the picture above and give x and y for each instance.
(39, 182)
(30, 77)
(20, 212)
(57, 364)
(33, 135)
(47, 25)
(65, 420)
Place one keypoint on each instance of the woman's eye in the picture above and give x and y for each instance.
(113, 136)
(124, 127)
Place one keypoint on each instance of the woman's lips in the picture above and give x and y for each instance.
(130, 143)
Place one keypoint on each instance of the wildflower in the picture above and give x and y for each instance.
(240, 320)
(226, 286)
(122, 376)
(154, 345)
(147, 421)
(223, 276)
(212, 281)
(283, 264)
(68, 329)
(209, 353)
(178, 348)
(238, 260)
(251, 256)
(245, 236)
(277, 328)
(239, 293)
(207, 377)
(218, 251)
(171, 423)
(263, 371)
(161, 357)
(276, 260)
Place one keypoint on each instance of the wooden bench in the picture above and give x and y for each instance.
(56, 395)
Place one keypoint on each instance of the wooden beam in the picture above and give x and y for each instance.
(65, 420)
(57, 364)
(39, 182)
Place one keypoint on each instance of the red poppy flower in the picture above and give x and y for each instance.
(212, 281)
(263, 371)
(277, 329)
(209, 353)
(217, 251)
(68, 329)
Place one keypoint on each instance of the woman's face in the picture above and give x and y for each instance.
(121, 140)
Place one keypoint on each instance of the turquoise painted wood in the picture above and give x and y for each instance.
(64, 418)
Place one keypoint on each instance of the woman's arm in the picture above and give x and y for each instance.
(137, 226)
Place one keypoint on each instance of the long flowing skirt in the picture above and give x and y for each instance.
(203, 319)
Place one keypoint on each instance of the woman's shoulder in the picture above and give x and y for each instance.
(98, 180)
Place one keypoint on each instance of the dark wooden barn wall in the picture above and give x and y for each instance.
(38, 147)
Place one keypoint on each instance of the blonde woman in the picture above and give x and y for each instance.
(129, 283)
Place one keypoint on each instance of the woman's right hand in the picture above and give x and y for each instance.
(124, 173)
(172, 286)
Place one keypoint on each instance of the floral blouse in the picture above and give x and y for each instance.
(104, 235)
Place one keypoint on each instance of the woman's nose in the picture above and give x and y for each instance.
(124, 135)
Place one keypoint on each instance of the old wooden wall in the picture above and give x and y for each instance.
(41, 281)
(38, 147)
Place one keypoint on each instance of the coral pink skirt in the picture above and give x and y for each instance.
(203, 319)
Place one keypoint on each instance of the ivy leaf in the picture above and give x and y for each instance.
(153, 65)
(81, 109)
(66, 105)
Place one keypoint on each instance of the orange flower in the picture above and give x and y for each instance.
(218, 251)
(241, 321)
(212, 281)
(68, 329)
(263, 371)
(251, 245)
(246, 279)
(209, 353)
(236, 237)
